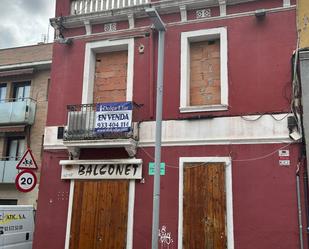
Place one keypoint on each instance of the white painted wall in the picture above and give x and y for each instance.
(225, 130)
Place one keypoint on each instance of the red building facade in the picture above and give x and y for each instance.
(230, 162)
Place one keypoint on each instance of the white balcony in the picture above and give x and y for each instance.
(8, 171)
(17, 112)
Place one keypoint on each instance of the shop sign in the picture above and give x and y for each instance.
(113, 117)
(101, 169)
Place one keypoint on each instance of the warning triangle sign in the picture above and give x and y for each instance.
(27, 161)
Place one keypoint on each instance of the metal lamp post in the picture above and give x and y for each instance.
(160, 27)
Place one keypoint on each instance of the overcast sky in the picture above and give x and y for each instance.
(25, 22)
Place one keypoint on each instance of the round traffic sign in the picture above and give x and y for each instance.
(25, 181)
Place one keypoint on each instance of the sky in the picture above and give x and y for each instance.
(25, 22)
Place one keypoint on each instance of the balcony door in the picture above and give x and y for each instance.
(16, 148)
(2, 93)
(21, 91)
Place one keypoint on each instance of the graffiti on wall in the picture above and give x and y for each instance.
(165, 238)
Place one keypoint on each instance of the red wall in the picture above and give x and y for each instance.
(259, 73)
(264, 195)
(259, 70)
(51, 216)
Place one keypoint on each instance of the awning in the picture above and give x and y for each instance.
(12, 128)
(16, 72)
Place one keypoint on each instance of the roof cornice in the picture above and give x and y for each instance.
(37, 64)
(116, 15)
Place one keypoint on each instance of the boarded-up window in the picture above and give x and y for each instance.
(110, 82)
(205, 73)
(99, 214)
(204, 206)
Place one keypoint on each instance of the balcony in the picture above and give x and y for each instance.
(17, 112)
(89, 6)
(8, 170)
(84, 131)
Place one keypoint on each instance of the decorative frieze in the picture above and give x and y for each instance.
(108, 27)
(203, 13)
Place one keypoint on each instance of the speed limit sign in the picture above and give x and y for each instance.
(25, 181)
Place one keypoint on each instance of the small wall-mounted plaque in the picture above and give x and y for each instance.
(203, 13)
(110, 27)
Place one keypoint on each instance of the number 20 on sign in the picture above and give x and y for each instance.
(25, 181)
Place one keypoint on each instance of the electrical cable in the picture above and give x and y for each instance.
(254, 119)
(233, 160)
(280, 119)
(264, 114)
(262, 157)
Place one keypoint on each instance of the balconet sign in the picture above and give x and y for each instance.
(101, 169)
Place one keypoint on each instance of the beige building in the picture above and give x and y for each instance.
(24, 82)
(303, 22)
(303, 36)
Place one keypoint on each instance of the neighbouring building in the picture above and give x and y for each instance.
(303, 66)
(24, 81)
(231, 137)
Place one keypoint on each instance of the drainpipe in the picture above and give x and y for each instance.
(305, 179)
(299, 208)
(160, 27)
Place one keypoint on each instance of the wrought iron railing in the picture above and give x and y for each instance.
(88, 6)
(81, 125)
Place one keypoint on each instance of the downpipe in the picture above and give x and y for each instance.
(305, 178)
(301, 240)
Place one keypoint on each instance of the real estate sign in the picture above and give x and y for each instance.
(113, 117)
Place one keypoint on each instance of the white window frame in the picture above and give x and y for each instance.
(129, 240)
(197, 36)
(92, 48)
(229, 194)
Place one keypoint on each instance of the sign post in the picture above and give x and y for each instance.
(26, 180)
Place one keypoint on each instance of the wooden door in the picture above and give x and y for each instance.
(99, 214)
(204, 206)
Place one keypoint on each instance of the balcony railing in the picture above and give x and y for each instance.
(17, 112)
(8, 170)
(82, 125)
(88, 6)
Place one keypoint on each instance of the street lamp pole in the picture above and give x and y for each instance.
(160, 27)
